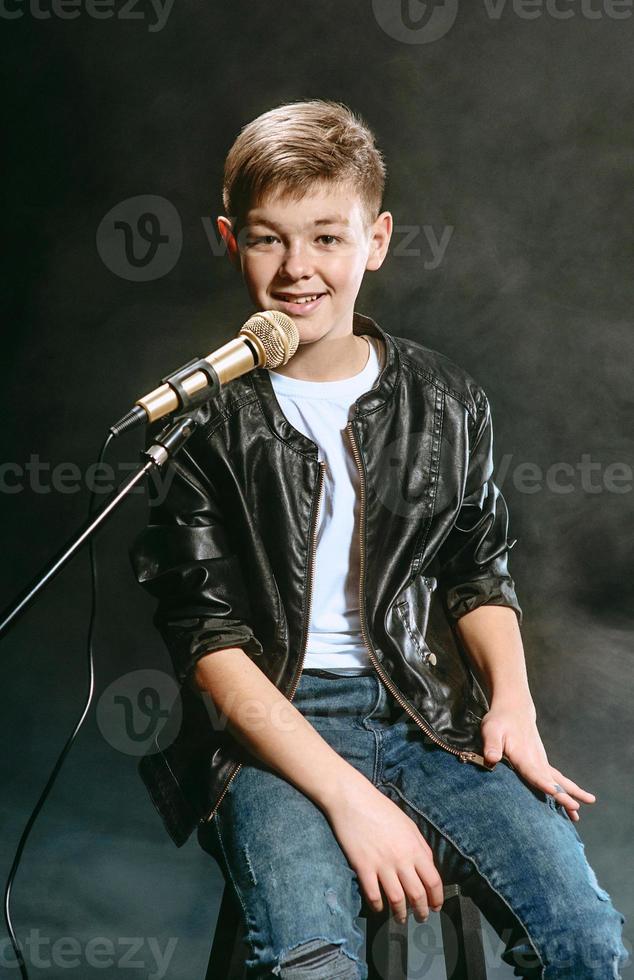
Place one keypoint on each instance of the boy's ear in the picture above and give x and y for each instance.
(380, 234)
(228, 237)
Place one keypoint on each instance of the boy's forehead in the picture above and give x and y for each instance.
(320, 205)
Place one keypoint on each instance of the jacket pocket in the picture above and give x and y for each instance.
(411, 614)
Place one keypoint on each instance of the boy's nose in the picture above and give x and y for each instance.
(296, 264)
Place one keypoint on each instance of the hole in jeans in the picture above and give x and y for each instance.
(316, 958)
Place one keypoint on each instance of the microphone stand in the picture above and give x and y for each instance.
(167, 443)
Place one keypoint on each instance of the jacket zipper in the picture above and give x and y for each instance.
(463, 754)
(313, 537)
(300, 667)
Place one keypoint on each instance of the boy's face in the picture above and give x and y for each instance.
(319, 247)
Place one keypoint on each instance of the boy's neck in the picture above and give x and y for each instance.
(328, 359)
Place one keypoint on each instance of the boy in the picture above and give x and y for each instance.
(331, 567)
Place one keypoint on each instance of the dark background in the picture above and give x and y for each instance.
(513, 132)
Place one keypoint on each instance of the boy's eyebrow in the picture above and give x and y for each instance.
(335, 219)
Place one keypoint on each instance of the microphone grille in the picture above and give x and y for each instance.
(277, 334)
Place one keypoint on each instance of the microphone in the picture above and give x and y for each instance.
(268, 339)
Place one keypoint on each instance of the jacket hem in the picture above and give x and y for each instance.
(179, 819)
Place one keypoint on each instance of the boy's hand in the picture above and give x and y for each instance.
(385, 847)
(509, 728)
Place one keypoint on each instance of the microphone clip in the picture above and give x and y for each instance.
(175, 381)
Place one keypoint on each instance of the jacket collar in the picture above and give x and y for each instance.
(380, 393)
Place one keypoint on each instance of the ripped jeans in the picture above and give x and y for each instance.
(510, 846)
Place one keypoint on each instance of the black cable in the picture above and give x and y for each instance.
(70, 740)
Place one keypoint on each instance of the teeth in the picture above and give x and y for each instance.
(303, 299)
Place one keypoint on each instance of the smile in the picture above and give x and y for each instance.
(305, 303)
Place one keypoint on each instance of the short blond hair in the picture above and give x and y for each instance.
(296, 145)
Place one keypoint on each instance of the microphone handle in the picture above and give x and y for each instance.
(193, 383)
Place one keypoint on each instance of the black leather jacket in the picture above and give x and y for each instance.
(229, 554)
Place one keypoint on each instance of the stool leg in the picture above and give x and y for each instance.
(385, 946)
(226, 961)
(462, 937)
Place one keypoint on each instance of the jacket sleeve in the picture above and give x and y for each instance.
(184, 559)
(473, 559)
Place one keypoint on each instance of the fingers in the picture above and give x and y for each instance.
(564, 790)
(369, 883)
(568, 786)
(370, 887)
(395, 895)
(406, 889)
(427, 873)
(565, 800)
(418, 887)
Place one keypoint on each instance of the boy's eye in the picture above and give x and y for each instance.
(262, 240)
(255, 240)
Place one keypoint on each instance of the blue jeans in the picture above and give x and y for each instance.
(511, 847)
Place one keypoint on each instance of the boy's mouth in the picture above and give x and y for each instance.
(299, 302)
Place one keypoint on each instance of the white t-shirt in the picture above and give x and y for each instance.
(321, 410)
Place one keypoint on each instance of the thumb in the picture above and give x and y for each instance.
(493, 750)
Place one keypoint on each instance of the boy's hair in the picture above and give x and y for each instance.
(292, 147)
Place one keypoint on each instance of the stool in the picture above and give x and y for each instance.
(386, 941)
